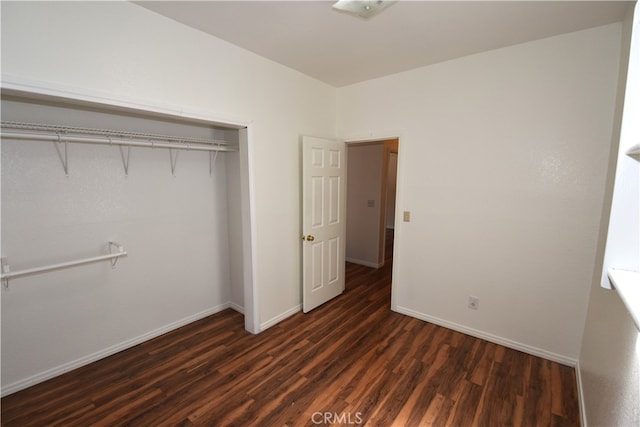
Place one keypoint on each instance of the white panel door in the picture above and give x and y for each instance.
(323, 220)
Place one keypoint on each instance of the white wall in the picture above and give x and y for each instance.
(503, 166)
(609, 369)
(125, 51)
(610, 362)
(623, 236)
(364, 184)
(128, 53)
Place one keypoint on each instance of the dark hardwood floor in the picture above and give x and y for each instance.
(351, 361)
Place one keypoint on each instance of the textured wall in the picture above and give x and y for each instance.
(610, 354)
(502, 163)
(364, 184)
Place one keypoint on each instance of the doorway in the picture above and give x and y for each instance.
(371, 196)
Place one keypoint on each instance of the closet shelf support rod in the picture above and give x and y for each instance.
(105, 141)
(113, 257)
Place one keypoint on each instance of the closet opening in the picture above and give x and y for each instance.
(173, 188)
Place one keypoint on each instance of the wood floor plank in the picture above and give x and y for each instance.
(537, 395)
(556, 391)
(351, 361)
(433, 410)
(465, 407)
(570, 410)
(392, 403)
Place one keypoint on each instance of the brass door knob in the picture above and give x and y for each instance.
(308, 238)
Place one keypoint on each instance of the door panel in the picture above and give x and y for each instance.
(334, 254)
(317, 194)
(317, 260)
(323, 220)
(334, 200)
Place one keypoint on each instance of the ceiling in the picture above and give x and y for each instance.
(339, 49)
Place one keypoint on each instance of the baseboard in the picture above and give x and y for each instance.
(236, 307)
(279, 318)
(59, 370)
(489, 337)
(365, 263)
(581, 405)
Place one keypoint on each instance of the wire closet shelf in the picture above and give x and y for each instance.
(57, 133)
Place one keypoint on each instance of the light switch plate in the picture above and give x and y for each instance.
(406, 217)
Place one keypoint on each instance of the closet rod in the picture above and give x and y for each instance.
(113, 257)
(56, 133)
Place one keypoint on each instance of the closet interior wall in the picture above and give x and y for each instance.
(182, 232)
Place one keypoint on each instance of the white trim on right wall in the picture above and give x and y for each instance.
(534, 351)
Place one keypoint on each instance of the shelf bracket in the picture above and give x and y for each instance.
(120, 250)
(125, 159)
(212, 159)
(634, 152)
(174, 160)
(5, 269)
(64, 157)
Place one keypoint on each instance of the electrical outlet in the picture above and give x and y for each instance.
(371, 203)
(473, 303)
